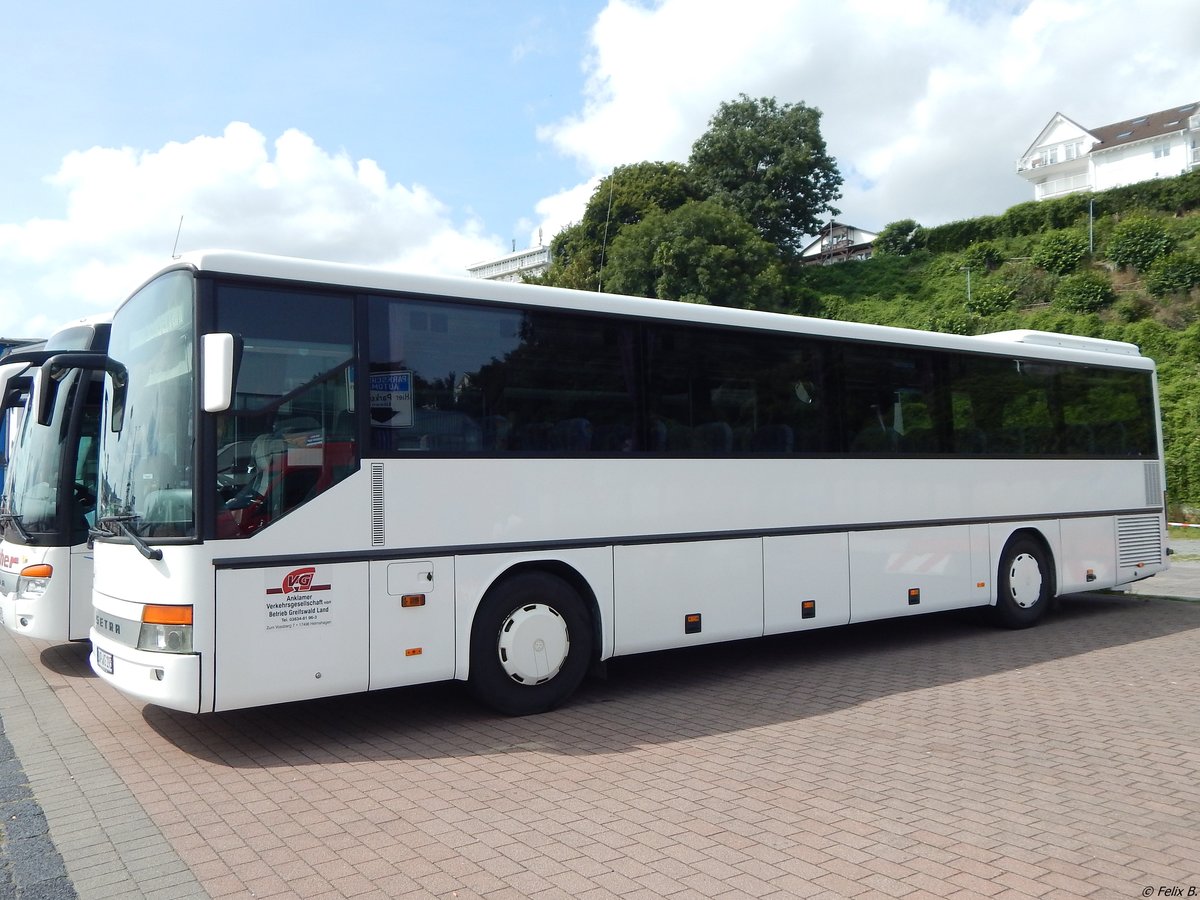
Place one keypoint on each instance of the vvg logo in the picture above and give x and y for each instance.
(299, 581)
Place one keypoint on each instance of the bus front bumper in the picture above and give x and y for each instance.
(164, 679)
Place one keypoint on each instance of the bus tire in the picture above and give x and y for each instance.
(531, 644)
(1025, 584)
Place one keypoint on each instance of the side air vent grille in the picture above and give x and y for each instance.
(1154, 488)
(1139, 540)
(376, 504)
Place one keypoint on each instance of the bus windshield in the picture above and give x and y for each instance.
(147, 465)
(35, 476)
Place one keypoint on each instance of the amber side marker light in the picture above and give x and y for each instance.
(408, 601)
(153, 614)
(41, 570)
(413, 651)
(808, 609)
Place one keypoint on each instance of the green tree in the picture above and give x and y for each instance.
(899, 238)
(702, 252)
(623, 198)
(769, 163)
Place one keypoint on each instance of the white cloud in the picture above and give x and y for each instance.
(123, 208)
(926, 104)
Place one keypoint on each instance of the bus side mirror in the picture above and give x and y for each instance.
(15, 386)
(56, 367)
(219, 357)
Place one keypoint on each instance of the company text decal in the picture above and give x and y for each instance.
(296, 602)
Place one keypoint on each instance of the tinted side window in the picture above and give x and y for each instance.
(451, 378)
(712, 392)
(891, 402)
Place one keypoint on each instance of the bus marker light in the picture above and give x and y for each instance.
(153, 614)
(980, 584)
(808, 609)
(691, 623)
(41, 570)
(409, 601)
(413, 651)
(1091, 574)
(914, 596)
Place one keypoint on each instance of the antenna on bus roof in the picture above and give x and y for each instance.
(175, 248)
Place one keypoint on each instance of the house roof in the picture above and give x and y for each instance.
(1140, 128)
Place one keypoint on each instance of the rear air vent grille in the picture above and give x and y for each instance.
(376, 504)
(1139, 540)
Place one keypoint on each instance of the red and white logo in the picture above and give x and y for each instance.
(299, 581)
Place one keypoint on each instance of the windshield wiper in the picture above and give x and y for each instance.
(15, 521)
(122, 523)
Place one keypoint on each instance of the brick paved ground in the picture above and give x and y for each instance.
(923, 758)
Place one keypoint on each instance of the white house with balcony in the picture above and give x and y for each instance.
(1066, 157)
(838, 242)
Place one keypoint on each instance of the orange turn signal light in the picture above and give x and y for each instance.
(153, 614)
(41, 570)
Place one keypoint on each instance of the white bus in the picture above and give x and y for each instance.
(49, 498)
(322, 478)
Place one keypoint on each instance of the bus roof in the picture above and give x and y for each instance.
(1034, 344)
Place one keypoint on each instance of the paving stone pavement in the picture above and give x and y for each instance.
(926, 757)
(29, 862)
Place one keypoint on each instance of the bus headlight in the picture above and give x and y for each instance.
(32, 581)
(166, 629)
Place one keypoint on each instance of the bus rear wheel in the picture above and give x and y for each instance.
(531, 644)
(1026, 583)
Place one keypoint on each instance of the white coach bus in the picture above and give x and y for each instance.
(320, 479)
(49, 499)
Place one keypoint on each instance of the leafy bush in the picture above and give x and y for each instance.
(954, 236)
(946, 324)
(1175, 273)
(1060, 252)
(1084, 292)
(982, 255)
(991, 300)
(1137, 241)
(899, 238)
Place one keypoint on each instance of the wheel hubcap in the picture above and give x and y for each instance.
(1025, 581)
(533, 644)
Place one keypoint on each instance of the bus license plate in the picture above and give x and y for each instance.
(104, 660)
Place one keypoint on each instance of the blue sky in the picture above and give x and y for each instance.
(428, 136)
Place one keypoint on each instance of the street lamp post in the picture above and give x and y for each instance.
(967, 269)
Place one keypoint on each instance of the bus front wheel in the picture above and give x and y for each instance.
(530, 645)
(1025, 585)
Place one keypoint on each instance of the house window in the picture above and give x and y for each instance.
(1162, 150)
(1074, 150)
(1049, 156)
